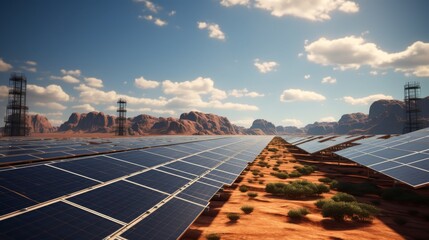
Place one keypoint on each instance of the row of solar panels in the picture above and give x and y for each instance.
(22, 150)
(154, 193)
(404, 157)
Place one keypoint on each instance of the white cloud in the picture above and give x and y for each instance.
(315, 10)
(213, 28)
(229, 3)
(4, 91)
(4, 66)
(264, 67)
(292, 122)
(84, 107)
(150, 110)
(51, 105)
(141, 82)
(247, 122)
(294, 95)
(244, 93)
(373, 73)
(327, 119)
(307, 76)
(94, 82)
(29, 69)
(160, 22)
(56, 122)
(66, 78)
(193, 89)
(50, 93)
(149, 5)
(353, 52)
(75, 73)
(329, 80)
(300, 54)
(366, 100)
(172, 13)
(31, 63)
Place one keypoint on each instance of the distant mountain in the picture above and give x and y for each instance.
(264, 126)
(39, 124)
(188, 123)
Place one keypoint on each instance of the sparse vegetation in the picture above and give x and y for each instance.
(272, 149)
(343, 197)
(243, 188)
(340, 211)
(319, 203)
(233, 217)
(275, 168)
(325, 180)
(213, 236)
(297, 189)
(298, 213)
(281, 175)
(252, 194)
(247, 209)
(295, 174)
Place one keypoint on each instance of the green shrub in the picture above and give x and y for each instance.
(298, 213)
(295, 174)
(255, 173)
(404, 195)
(343, 197)
(272, 149)
(243, 188)
(247, 209)
(325, 180)
(279, 162)
(340, 211)
(252, 194)
(213, 236)
(261, 181)
(333, 184)
(233, 217)
(280, 175)
(305, 170)
(275, 168)
(250, 180)
(296, 189)
(319, 203)
(261, 174)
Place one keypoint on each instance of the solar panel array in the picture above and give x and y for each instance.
(404, 158)
(314, 144)
(154, 193)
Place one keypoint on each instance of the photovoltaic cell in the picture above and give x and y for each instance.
(162, 181)
(11, 201)
(121, 200)
(100, 168)
(168, 222)
(42, 183)
(142, 158)
(176, 172)
(186, 167)
(199, 193)
(57, 221)
(201, 161)
(167, 152)
(19, 158)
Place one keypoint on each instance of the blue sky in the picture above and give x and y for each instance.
(292, 62)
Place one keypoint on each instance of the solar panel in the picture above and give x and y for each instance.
(187, 167)
(121, 200)
(57, 221)
(141, 158)
(159, 180)
(401, 157)
(170, 221)
(11, 201)
(100, 168)
(199, 193)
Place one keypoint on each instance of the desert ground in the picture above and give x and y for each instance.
(269, 219)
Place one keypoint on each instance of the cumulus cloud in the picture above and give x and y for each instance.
(172, 13)
(4, 66)
(94, 82)
(247, 122)
(307, 76)
(244, 93)
(292, 122)
(295, 95)
(51, 105)
(149, 5)
(366, 100)
(84, 107)
(352, 52)
(327, 119)
(66, 78)
(194, 88)
(265, 67)
(329, 80)
(316, 10)
(75, 73)
(31, 63)
(157, 21)
(160, 22)
(29, 69)
(50, 93)
(213, 29)
(229, 3)
(4, 91)
(141, 82)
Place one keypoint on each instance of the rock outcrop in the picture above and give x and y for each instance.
(39, 124)
(266, 127)
(91, 122)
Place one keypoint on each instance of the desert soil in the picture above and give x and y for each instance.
(269, 219)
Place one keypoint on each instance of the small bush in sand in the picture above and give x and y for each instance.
(295, 174)
(243, 188)
(213, 236)
(252, 194)
(247, 209)
(319, 203)
(280, 175)
(297, 189)
(275, 168)
(325, 180)
(233, 217)
(298, 213)
(340, 211)
(343, 197)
